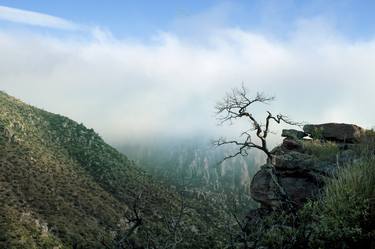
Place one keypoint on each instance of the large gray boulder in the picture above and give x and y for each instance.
(298, 168)
(263, 189)
(300, 175)
(348, 133)
(292, 144)
(299, 186)
(303, 164)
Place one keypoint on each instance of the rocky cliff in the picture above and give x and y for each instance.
(300, 164)
(317, 191)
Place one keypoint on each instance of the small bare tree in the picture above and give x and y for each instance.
(172, 223)
(134, 220)
(236, 105)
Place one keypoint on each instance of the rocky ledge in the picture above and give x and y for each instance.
(299, 165)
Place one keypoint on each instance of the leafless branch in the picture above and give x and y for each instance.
(234, 106)
(134, 219)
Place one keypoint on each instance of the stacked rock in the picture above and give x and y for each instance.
(298, 171)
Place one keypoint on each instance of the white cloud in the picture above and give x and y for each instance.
(129, 89)
(35, 19)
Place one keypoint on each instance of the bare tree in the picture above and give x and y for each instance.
(135, 220)
(242, 230)
(172, 223)
(236, 105)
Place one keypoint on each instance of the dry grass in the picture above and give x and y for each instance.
(322, 150)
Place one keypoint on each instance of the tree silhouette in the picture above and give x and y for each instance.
(236, 105)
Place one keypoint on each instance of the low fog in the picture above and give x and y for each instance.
(167, 85)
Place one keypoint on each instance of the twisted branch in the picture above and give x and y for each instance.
(234, 106)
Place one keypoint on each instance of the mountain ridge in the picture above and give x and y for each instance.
(64, 187)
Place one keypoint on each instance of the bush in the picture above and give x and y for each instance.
(367, 146)
(317, 133)
(321, 150)
(344, 217)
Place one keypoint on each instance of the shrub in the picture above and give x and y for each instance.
(321, 150)
(317, 133)
(367, 146)
(344, 217)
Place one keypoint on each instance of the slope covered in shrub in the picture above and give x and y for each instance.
(62, 186)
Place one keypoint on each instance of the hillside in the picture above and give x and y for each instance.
(62, 186)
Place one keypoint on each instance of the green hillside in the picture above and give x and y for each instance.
(62, 186)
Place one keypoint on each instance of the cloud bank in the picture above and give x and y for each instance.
(168, 86)
(35, 19)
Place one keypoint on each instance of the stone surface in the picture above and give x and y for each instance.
(263, 189)
(293, 134)
(299, 188)
(348, 133)
(302, 163)
(291, 144)
(293, 160)
(301, 171)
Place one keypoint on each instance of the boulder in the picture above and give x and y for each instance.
(348, 133)
(299, 188)
(293, 160)
(293, 134)
(298, 185)
(263, 189)
(302, 163)
(299, 174)
(291, 144)
(299, 171)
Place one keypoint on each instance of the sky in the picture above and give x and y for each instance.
(137, 70)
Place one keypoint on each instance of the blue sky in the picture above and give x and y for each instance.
(141, 19)
(141, 69)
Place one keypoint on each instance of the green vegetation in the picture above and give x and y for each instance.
(344, 217)
(21, 230)
(322, 150)
(317, 133)
(193, 163)
(62, 186)
(367, 146)
(41, 176)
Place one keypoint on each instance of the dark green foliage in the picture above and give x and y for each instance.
(344, 217)
(64, 176)
(62, 186)
(317, 133)
(39, 176)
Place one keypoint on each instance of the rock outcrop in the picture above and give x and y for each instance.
(299, 166)
(293, 134)
(348, 133)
